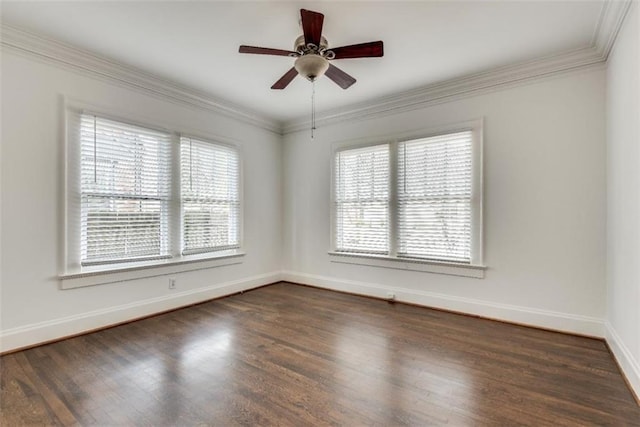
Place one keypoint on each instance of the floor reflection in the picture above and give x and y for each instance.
(292, 355)
(391, 375)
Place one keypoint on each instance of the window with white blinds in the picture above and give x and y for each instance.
(434, 197)
(362, 200)
(416, 199)
(125, 190)
(210, 196)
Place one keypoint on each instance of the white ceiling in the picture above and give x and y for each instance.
(196, 43)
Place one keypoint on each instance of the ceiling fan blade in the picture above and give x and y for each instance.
(362, 50)
(312, 26)
(339, 77)
(286, 79)
(266, 51)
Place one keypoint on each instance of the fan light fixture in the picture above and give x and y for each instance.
(313, 54)
(311, 66)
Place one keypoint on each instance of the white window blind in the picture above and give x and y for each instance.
(362, 200)
(435, 197)
(125, 188)
(210, 196)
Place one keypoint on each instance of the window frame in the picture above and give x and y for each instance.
(72, 273)
(475, 268)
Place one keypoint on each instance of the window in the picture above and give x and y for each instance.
(411, 199)
(136, 194)
(434, 197)
(210, 199)
(125, 186)
(362, 200)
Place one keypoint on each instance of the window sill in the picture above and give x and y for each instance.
(427, 266)
(99, 275)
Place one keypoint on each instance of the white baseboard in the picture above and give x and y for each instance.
(572, 323)
(630, 366)
(33, 334)
(37, 333)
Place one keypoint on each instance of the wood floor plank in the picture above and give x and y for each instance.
(292, 355)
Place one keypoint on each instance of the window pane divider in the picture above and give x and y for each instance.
(393, 199)
(175, 208)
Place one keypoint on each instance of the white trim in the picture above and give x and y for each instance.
(42, 332)
(412, 264)
(477, 191)
(630, 366)
(88, 63)
(611, 18)
(71, 118)
(132, 271)
(566, 322)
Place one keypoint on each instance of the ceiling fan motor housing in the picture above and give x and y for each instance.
(301, 47)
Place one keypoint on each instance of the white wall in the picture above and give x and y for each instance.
(623, 198)
(544, 212)
(545, 205)
(33, 306)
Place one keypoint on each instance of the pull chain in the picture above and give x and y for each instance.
(313, 107)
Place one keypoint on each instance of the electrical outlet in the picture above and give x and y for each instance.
(391, 296)
(172, 283)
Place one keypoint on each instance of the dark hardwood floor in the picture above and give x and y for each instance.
(293, 355)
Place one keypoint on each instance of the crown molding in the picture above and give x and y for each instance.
(609, 23)
(88, 63)
(611, 19)
(454, 89)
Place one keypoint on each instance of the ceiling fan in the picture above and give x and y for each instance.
(313, 54)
